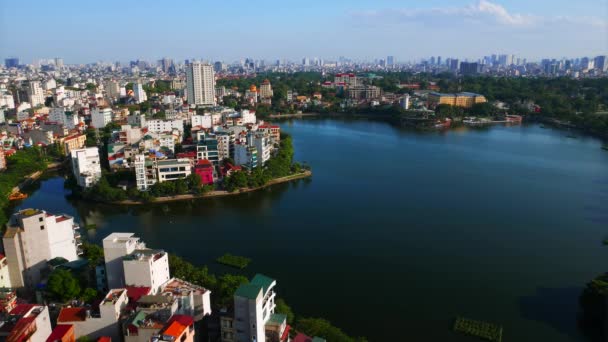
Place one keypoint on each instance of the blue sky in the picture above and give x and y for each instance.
(110, 30)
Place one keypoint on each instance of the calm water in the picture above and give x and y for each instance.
(399, 232)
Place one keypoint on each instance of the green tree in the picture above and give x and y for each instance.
(323, 328)
(89, 294)
(93, 253)
(63, 285)
(284, 309)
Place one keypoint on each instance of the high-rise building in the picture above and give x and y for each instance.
(266, 90)
(34, 237)
(35, 94)
(601, 63)
(167, 65)
(112, 89)
(390, 60)
(58, 63)
(254, 308)
(200, 84)
(86, 166)
(12, 62)
(467, 68)
(139, 93)
(439, 60)
(454, 64)
(100, 117)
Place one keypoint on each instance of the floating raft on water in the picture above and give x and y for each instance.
(17, 196)
(487, 331)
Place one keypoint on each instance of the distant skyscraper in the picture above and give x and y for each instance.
(432, 60)
(390, 60)
(469, 68)
(200, 84)
(454, 64)
(305, 61)
(166, 64)
(59, 63)
(11, 62)
(438, 60)
(35, 94)
(601, 63)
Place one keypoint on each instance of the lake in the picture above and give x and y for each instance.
(398, 232)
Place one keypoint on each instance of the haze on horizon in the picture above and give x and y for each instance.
(112, 30)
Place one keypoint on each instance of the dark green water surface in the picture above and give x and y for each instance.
(399, 232)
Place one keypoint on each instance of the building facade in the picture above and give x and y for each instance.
(200, 84)
(86, 166)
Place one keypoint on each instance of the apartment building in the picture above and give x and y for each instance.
(115, 247)
(26, 322)
(100, 117)
(32, 238)
(86, 166)
(148, 268)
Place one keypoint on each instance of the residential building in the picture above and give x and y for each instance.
(207, 148)
(138, 93)
(60, 116)
(148, 268)
(137, 119)
(161, 126)
(86, 166)
(194, 300)
(466, 100)
(35, 94)
(245, 155)
(204, 168)
(115, 247)
(273, 130)
(172, 169)
(178, 328)
(248, 117)
(262, 144)
(32, 238)
(62, 333)
(98, 320)
(467, 68)
(27, 323)
(100, 117)
(405, 102)
(253, 308)
(200, 84)
(112, 89)
(145, 172)
(266, 90)
(225, 144)
(74, 142)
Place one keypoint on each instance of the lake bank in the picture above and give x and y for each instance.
(211, 194)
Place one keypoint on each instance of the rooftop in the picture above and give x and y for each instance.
(173, 162)
(264, 281)
(72, 315)
(276, 319)
(60, 331)
(249, 291)
(177, 325)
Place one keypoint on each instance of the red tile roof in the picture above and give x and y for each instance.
(301, 338)
(104, 339)
(22, 309)
(72, 315)
(177, 325)
(59, 332)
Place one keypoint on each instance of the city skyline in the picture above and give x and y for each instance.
(364, 31)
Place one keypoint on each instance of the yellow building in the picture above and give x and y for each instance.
(74, 142)
(466, 100)
(266, 90)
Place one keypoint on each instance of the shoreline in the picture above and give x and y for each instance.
(212, 194)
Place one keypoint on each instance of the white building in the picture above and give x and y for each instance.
(63, 117)
(262, 144)
(34, 237)
(138, 93)
(253, 307)
(26, 322)
(248, 117)
(5, 275)
(7, 100)
(137, 119)
(405, 102)
(245, 155)
(115, 247)
(200, 84)
(35, 94)
(147, 267)
(145, 175)
(172, 169)
(86, 166)
(161, 126)
(93, 323)
(100, 117)
(112, 89)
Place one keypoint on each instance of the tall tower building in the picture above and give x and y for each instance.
(200, 84)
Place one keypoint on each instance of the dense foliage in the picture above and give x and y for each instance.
(18, 166)
(280, 165)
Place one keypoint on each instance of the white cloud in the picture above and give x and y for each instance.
(483, 11)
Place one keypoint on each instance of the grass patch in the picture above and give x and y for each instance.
(484, 330)
(233, 260)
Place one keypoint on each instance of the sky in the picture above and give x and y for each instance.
(117, 30)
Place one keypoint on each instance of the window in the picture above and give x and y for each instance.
(41, 227)
(40, 219)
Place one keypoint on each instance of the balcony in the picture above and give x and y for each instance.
(75, 227)
(77, 235)
(79, 251)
